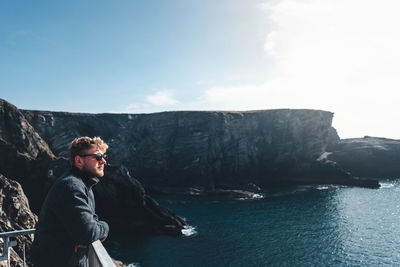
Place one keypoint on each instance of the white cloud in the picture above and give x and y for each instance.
(162, 98)
(135, 108)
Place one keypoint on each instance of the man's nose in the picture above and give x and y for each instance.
(103, 161)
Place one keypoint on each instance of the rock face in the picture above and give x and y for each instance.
(121, 199)
(24, 156)
(15, 215)
(207, 151)
(370, 157)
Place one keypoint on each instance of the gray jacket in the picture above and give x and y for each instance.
(67, 218)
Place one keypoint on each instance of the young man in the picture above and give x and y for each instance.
(67, 222)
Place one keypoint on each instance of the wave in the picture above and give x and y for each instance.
(322, 187)
(386, 185)
(257, 196)
(189, 230)
(253, 196)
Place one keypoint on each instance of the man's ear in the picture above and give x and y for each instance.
(78, 161)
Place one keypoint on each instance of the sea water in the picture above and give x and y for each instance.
(297, 226)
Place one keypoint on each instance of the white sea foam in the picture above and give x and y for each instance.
(254, 196)
(132, 265)
(322, 187)
(258, 196)
(386, 185)
(189, 230)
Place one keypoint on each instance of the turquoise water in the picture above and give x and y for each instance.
(299, 226)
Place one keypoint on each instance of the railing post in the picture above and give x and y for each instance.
(23, 247)
(6, 251)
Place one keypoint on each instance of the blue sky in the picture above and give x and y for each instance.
(60, 55)
(131, 56)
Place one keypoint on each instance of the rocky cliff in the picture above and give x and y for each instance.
(120, 198)
(370, 157)
(207, 151)
(24, 156)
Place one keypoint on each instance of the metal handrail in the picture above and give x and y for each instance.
(7, 244)
(18, 232)
(98, 256)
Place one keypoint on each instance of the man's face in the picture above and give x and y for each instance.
(91, 165)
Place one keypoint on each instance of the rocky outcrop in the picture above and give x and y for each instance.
(25, 156)
(370, 157)
(120, 198)
(207, 151)
(15, 215)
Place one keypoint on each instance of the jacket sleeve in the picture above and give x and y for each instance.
(81, 223)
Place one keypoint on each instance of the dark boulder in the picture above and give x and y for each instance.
(370, 157)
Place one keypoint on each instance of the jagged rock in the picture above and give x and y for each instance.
(118, 192)
(16, 132)
(15, 215)
(25, 156)
(371, 157)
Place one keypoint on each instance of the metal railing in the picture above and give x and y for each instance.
(8, 243)
(98, 256)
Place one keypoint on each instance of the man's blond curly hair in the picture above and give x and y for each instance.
(82, 144)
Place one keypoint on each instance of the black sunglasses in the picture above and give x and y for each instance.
(98, 157)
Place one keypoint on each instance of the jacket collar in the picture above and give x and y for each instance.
(86, 177)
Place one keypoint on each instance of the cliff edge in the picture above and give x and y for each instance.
(207, 151)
